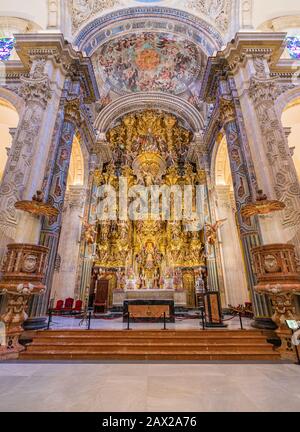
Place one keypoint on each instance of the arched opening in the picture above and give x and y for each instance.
(222, 172)
(76, 169)
(9, 26)
(291, 123)
(9, 119)
(289, 24)
(236, 290)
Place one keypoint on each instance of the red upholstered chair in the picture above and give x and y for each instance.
(78, 306)
(59, 306)
(68, 304)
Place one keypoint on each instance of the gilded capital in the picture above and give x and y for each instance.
(72, 111)
(226, 111)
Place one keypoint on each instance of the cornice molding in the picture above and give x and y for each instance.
(242, 47)
(50, 46)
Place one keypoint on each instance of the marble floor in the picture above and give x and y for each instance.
(129, 387)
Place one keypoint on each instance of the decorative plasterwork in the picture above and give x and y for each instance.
(245, 45)
(53, 46)
(84, 10)
(156, 19)
(141, 101)
(219, 11)
(53, 13)
(246, 13)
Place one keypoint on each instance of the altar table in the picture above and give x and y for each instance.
(149, 310)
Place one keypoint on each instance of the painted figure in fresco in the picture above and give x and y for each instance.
(149, 61)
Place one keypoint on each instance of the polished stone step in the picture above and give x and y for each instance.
(225, 356)
(149, 345)
(154, 342)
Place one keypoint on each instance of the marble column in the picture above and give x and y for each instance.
(280, 176)
(26, 156)
(26, 162)
(51, 228)
(90, 216)
(248, 229)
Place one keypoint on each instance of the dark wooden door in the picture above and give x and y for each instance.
(101, 297)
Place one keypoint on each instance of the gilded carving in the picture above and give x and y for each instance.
(226, 111)
(149, 148)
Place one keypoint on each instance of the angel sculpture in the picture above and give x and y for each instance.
(212, 231)
(89, 232)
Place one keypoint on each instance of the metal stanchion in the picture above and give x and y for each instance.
(89, 320)
(241, 321)
(49, 318)
(165, 322)
(202, 318)
(128, 321)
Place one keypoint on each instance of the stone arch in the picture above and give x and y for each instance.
(288, 110)
(291, 122)
(12, 98)
(222, 165)
(156, 19)
(9, 120)
(189, 115)
(276, 23)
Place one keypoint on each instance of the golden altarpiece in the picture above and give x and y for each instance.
(152, 253)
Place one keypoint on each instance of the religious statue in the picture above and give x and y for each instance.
(212, 230)
(89, 232)
(149, 261)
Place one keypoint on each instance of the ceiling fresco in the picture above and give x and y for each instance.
(149, 62)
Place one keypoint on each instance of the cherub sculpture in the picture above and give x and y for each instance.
(89, 232)
(212, 230)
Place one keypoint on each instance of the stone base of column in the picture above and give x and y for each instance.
(264, 324)
(12, 347)
(287, 349)
(278, 277)
(35, 323)
(22, 275)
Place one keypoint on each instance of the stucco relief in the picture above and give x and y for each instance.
(83, 10)
(264, 93)
(35, 90)
(53, 13)
(217, 10)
